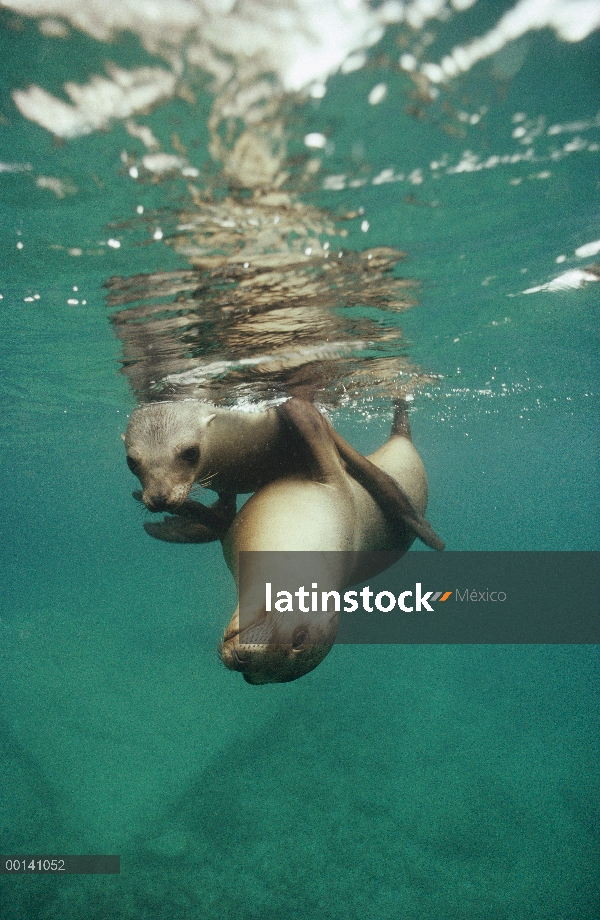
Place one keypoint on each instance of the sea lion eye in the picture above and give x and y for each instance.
(133, 465)
(190, 455)
(299, 639)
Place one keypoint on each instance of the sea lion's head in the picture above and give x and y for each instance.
(164, 444)
(278, 647)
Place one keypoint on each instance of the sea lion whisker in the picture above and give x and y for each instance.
(235, 633)
(207, 479)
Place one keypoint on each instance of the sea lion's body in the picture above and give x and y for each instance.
(298, 513)
(329, 512)
(172, 445)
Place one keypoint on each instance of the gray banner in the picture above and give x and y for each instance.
(426, 597)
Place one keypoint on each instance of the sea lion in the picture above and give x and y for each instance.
(329, 511)
(172, 445)
(323, 508)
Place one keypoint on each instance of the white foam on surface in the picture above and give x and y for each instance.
(588, 249)
(568, 281)
(572, 20)
(162, 162)
(300, 42)
(15, 167)
(378, 94)
(315, 140)
(96, 103)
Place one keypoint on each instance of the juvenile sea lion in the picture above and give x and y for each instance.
(321, 509)
(172, 445)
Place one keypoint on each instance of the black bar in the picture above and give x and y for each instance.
(60, 865)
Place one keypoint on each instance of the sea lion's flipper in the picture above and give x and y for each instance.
(390, 497)
(400, 422)
(311, 432)
(195, 522)
(180, 530)
(317, 437)
(218, 517)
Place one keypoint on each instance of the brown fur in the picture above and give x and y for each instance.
(297, 513)
(237, 452)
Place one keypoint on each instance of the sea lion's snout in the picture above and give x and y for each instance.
(156, 502)
(229, 651)
(163, 488)
(161, 501)
(271, 651)
(158, 494)
(231, 658)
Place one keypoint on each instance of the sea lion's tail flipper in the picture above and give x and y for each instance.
(400, 422)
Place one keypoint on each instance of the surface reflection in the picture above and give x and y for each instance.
(265, 310)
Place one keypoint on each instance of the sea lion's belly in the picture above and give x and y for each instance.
(294, 514)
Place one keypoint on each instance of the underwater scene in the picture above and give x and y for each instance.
(376, 208)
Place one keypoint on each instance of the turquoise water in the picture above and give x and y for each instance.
(391, 782)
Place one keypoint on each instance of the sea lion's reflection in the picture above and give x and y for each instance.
(285, 323)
